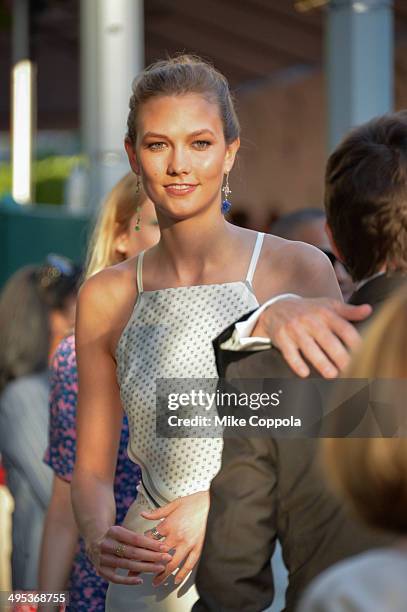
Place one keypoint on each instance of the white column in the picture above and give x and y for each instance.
(23, 105)
(112, 53)
(359, 63)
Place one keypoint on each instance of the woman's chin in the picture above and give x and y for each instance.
(182, 211)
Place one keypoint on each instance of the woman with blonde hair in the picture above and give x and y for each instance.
(126, 224)
(117, 234)
(371, 475)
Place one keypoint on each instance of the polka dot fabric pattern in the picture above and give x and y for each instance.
(169, 335)
(87, 590)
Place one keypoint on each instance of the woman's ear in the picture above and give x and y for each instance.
(131, 154)
(231, 152)
(121, 243)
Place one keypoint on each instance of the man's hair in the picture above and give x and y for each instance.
(366, 196)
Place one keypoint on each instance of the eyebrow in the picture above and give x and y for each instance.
(192, 135)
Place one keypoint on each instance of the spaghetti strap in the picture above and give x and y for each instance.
(255, 257)
(139, 276)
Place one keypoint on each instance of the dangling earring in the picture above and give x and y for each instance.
(137, 227)
(226, 205)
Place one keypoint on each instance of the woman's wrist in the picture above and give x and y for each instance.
(95, 537)
(92, 547)
(93, 534)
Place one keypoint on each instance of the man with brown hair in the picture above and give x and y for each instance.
(366, 197)
(271, 488)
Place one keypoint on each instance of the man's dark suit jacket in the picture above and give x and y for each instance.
(269, 489)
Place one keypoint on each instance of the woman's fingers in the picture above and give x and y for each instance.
(121, 535)
(123, 549)
(187, 567)
(155, 515)
(111, 576)
(133, 552)
(113, 561)
(162, 529)
(171, 537)
(177, 559)
(141, 554)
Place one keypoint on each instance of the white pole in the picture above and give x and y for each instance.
(359, 63)
(23, 105)
(112, 52)
(22, 131)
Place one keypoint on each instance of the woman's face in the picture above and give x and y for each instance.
(181, 154)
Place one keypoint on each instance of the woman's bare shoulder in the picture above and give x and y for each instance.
(109, 291)
(293, 252)
(290, 266)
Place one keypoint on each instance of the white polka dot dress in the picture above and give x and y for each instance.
(169, 335)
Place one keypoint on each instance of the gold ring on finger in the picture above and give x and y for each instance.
(119, 550)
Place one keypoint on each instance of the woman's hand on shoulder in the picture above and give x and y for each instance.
(183, 523)
(121, 548)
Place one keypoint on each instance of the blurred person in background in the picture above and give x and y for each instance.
(309, 225)
(370, 474)
(37, 309)
(126, 224)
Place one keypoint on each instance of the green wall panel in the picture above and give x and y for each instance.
(28, 234)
